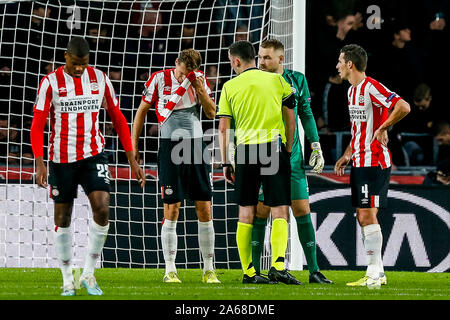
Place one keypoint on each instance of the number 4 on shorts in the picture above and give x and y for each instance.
(365, 190)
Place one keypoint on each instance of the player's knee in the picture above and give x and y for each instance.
(101, 213)
(366, 217)
(171, 211)
(300, 208)
(63, 214)
(204, 213)
(262, 211)
(280, 212)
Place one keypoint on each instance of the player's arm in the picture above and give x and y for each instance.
(305, 112)
(306, 116)
(224, 141)
(121, 126)
(40, 113)
(37, 144)
(208, 105)
(288, 105)
(225, 115)
(289, 127)
(138, 124)
(343, 161)
(401, 109)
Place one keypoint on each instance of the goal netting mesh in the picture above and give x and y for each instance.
(129, 40)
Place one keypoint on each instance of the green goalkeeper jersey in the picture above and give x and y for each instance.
(302, 108)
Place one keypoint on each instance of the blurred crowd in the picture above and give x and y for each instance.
(406, 42)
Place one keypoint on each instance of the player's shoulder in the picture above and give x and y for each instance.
(294, 73)
(270, 75)
(99, 74)
(52, 73)
(375, 84)
(48, 78)
(159, 74)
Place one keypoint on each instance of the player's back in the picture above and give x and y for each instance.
(256, 100)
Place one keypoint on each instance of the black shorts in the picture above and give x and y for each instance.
(184, 170)
(267, 164)
(369, 187)
(91, 173)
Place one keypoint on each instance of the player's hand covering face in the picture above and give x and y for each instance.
(198, 83)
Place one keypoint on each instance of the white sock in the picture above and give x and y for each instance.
(96, 240)
(63, 248)
(373, 239)
(169, 241)
(206, 239)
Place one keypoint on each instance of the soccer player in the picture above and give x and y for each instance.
(73, 95)
(271, 56)
(257, 102)
(373, 109)
(177, 95)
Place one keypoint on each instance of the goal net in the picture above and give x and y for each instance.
(129, 40)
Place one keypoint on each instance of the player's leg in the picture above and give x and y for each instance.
(98, 230)
(197, 180)
(97, 234)
(63, 189)
(258, 232)
(93, 175)
(277, 195)
(279, 235)
(247, 183)
(206, 240)
(243, 240)
(278, 241)
(301, 211)
(169, 241)
(306, 233)
(369, 193)
(247, 210)
(62, 236)
(172, 194)
(372, 241)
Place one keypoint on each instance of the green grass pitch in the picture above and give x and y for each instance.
(146, 284)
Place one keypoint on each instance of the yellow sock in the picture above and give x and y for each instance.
(278, 241)
(244, 243)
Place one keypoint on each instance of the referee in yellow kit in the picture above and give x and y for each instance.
(258, 101)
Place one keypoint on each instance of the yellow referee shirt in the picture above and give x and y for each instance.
(254, 100)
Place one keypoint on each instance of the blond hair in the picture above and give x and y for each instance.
(191, 58)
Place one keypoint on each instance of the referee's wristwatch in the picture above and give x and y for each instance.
(224, 165)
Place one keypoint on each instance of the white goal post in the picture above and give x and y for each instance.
(129, 40)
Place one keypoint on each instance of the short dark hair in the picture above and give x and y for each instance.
(272, 43)
(244, 50)
(78, 47)
(441, 127)
(355, 54)
(422, 91)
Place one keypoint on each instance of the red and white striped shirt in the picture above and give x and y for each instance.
(161, 88)
(74, 106)
(368, 104)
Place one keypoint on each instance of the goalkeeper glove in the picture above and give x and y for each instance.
(316, 160)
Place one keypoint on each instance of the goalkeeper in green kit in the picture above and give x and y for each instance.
(271, 55)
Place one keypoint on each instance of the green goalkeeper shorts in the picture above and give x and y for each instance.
(299, 184)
